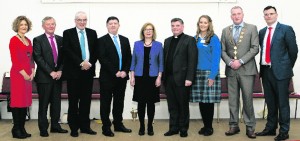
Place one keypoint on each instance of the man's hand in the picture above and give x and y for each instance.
(85, 65)
(235, 64)
(53, 74)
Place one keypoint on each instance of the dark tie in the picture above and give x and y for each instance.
(118, 50)
(54, 51)
(236, 34)
(268, 47)
(82, 44)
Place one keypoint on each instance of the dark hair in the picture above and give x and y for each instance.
(177, 20)
(270, 7)
(111, 18)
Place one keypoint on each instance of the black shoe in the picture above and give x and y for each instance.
(171, 133)
(44, 134)
(25, 132)
(183, 134)
(122, 128)
(232, 131)
(208, 131)
(88, 131)
(108, 133)
(16, 133)
(201, 131)
(58, 130)
(142, 131)
(266, 132)
(74, 134)
(281, 136)
(150, 130)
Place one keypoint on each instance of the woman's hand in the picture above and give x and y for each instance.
(210, 82)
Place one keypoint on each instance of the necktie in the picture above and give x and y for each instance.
(118, 50)
(236, 34)
(54, 51)
(268, 46)
(82, 44)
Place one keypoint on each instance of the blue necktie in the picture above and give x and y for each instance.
(82, 44)
(119, 51)
(236, 33)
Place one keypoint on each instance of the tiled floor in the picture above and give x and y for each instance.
(160, 127)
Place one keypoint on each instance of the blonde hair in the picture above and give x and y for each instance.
(210, 30)
(142, 37)
(18, 20)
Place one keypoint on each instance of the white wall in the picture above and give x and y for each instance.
(132, 16)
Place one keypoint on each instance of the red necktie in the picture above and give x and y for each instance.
(268, 46)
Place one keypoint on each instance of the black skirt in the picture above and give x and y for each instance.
(145, 90)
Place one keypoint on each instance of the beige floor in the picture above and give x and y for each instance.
(160, 127)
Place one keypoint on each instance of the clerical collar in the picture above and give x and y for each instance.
(178, 36)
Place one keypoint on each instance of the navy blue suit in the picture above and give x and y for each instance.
(277, 77)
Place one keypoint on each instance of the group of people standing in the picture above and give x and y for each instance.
(187, 66)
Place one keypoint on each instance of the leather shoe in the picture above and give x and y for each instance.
(74, 134)
(44, 134)
(281, 136)
(88, 131)
(201, 131)
(251, 134)
(122, 128)
(183, 134)
(232, 131)
(266, 132)
(108, 133)
(58, 130)
(208, 131)
(171, 133)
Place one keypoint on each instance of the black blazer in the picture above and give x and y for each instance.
(72, 53)
(184, 60)
(109, 59)
(284, 51)
(43, 57)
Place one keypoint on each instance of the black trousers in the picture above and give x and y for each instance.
(79, 94)
(178, 105)
(49, 93)
(115, 92)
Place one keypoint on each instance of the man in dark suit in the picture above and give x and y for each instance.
(180, 63)
(239, 48)
(278, 56)
(115, 58)
(47, 54)
(79, 45)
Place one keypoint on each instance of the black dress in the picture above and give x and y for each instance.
(144, 88)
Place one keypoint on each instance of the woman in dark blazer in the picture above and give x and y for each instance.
(146, 71)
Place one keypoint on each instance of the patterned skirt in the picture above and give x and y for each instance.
(201, 92)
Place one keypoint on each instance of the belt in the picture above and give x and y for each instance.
(266, 66)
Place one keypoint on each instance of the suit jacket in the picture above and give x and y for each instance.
(247, 49)
(284, 50)
(72, 53)
(184, 59)
(155, 58)
(43, 57)
(109, 59)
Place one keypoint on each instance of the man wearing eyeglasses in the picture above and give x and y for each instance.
(278, 56)
(79, 45)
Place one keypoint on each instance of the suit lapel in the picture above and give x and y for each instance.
(47, 46)
(112, 44)
(179, 44)
(275, 33)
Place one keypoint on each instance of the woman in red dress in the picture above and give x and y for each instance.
(21, 75)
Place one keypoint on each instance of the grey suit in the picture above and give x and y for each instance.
(242, 79)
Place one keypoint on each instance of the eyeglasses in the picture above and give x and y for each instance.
(269, 14)
(148, 29)
(81, 20)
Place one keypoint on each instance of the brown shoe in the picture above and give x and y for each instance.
(232, 131)
(251, 134)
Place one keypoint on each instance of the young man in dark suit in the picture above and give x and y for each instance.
(278, 56)
(180, 53)
(79, 45)
(115, 58)
(47, 53)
